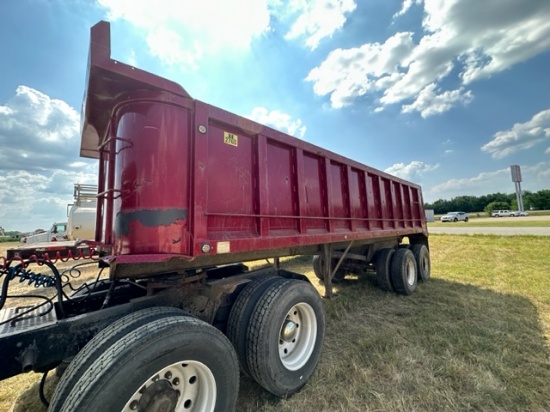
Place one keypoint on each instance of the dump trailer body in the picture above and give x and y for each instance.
(188, 184)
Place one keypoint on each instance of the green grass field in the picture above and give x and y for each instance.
(475, 337)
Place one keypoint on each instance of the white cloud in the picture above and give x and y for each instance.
(39, 160)
(474, 39)
(170, 48)
(429, 102)
(350, 73)
(412, 171)
(467, 185)
(407, 4)
(32, 200)
(521, 136)
(37, 132)
(317, 19)
(182, 31)
(278, 120)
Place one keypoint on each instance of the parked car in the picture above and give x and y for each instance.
(455, 217)
(508, 213)
(502, 213)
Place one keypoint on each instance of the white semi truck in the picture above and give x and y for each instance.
(58, 232)
(65, 237)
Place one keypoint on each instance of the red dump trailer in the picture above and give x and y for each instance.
(186, 192)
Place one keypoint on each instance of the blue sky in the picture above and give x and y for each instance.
(445, 93)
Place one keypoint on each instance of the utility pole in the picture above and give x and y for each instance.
(516, 178)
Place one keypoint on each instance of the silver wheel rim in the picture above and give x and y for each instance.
(192, 380)
(410, 272)
(297, 336)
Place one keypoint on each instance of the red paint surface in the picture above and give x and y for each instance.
(268, 191)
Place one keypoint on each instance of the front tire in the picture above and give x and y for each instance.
(174, 363)
(286, 336)
(100, 343)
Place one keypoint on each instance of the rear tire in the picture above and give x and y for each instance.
(100, 343)
(423, 264)
(173, 363)
(383, 269)
(239, 317)
(318, 263)
(286, 336)
(403, 272)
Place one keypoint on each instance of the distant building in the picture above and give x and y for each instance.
(430, 216)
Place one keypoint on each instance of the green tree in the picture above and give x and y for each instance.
(540, 200)
(493, 201)
(496, 206)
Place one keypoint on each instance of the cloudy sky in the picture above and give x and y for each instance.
(445, 93)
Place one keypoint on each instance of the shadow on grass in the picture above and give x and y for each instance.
(449, 346)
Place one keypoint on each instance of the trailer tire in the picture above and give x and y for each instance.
(286, 335)
(383, 269)
(147, 369)
(239, 317)
(403, 272)
(318, 263)
(100, 343)
(422, 257)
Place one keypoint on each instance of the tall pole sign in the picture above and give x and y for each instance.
(516, 178)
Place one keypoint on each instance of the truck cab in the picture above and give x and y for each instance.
(57, 232)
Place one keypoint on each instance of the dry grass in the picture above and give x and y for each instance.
(473, 338)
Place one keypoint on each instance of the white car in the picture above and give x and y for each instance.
(508, 213)
(502, 213)
(455, 217)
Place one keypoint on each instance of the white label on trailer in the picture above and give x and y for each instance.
(223, 247)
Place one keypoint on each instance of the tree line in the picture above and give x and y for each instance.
(531, 201)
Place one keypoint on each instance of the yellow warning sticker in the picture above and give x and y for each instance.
(230, 138)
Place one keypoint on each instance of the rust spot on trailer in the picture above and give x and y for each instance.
(149, 218)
